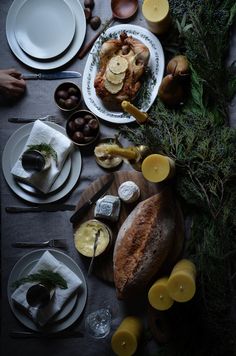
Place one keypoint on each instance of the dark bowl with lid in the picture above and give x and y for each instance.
(83, 128)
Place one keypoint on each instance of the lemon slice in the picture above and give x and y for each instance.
(118, 65)
(113, 88)
(114, 78)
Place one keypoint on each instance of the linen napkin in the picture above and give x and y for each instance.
(43, 133)
(48, 262)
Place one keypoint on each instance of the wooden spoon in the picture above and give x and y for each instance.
(121, 10)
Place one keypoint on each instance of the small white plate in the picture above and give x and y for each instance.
(77, 309)
(10, 156)
(149, 90)
(56, 62)
(44, 29)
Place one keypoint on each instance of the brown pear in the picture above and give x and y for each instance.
(178, 65)
(171, 91)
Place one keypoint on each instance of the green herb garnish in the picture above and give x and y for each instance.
(47, 149)
(48, 278)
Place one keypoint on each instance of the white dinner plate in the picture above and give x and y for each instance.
(11, 154)
(52, 63)
(78, 307)
(44, 29)
(146, 95)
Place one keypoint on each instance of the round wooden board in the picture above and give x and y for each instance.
(103, 266)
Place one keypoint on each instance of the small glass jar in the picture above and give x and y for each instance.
(35, 161)
(39, 295)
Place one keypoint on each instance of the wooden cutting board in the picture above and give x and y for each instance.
(103, 265)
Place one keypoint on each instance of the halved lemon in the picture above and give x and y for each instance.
(118, 65)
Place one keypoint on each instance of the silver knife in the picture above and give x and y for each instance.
(48, 208)
(50, 76)
(86, 206)
(30, 334)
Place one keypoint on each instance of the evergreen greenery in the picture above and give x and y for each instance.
(199, 138)
(48, 278)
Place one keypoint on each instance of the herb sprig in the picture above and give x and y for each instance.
(48, 278)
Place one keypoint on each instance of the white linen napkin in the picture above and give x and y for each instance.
(43, 133)
(48, 262)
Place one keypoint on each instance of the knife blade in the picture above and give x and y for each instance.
(86, 206)
(51, 76)
(40, 208)
(30, 334)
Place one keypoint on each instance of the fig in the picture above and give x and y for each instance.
(62, 94)
(78, 137)
(88, 13)
(95, 22)
(86, 130)
(93, 124)
(79, 122)
(69, 104)
(89, 3)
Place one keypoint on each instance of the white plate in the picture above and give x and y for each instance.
(156, 65)
(54, 63)
(67, 308)
(45, 28)
(9, 157)
(80, 301)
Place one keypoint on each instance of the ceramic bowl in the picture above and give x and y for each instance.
(67, 96)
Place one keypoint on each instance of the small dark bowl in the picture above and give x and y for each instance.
(83, 128)
(67, 96)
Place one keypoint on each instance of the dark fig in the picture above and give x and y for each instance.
(95, 22)
(88, 117)
(69, 104)
(89, 3)
(93, 124)
(79, 122)
(88, 13)
(62, 94)
(78, 137)
(71, 126)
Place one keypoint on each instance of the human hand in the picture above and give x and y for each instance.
(11, 83)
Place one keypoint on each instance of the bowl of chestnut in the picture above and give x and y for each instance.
(67, 96)
(83, 127)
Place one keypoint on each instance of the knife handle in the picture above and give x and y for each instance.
(80, 212)
(20, 120)
(18, 209)
(30, 244)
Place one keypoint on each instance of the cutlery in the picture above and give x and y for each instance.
(50, 76)
(59, 243)
(40, 208)
(94, 251)
(50, 118)
(87, 205)
(29, 334)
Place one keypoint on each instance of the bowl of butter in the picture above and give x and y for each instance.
(85, 235)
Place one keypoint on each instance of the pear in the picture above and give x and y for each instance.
(171, 91)
(178, 65)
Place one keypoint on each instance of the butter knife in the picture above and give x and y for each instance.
(31, 335)
(87, 205)
(40, 208)
(51, 76)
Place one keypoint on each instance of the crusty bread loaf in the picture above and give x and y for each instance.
(143, 243)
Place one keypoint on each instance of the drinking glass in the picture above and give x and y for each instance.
(98, 323)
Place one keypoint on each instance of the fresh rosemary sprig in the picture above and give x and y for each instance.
(48, 278)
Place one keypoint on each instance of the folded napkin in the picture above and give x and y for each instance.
(42, 315)
(43, 133)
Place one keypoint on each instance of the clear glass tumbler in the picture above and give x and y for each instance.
(98, 323)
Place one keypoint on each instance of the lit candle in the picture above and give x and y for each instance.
(181, 284)
(140, 116)
(158, 295)
(157, 15)
(156, 168)
(124, 341)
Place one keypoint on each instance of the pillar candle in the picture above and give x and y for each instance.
(140, 116)
(124, 341)
(130, 153)
(157, 15)
(181, 284)
(158, 295)
(156, 168)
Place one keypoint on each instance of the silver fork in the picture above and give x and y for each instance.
(49, 118)
(57, 243)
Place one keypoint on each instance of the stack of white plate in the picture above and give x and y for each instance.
(45, 34)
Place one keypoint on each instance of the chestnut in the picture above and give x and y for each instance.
(62, 94)
(95, 22)
(86, 130)
(78, 137)
(88, 13)
(93, 124)
(89, 3)
(69, 104)
(79, 122)
(71, 126)
(88, 117)
(72, 91)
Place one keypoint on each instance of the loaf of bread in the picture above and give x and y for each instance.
(144, 242)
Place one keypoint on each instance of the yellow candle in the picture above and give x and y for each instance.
(140, 116)
(157, 15)
(130, 153)
(182, 281)
(158, 295)
(156, 168)
(124, 341)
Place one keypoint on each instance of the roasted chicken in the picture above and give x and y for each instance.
(122, 64)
